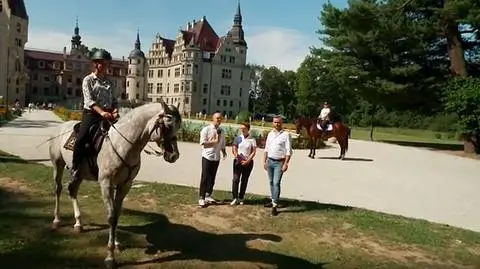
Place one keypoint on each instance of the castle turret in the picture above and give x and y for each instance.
(76, 38)
(238, 36)
(136, 79)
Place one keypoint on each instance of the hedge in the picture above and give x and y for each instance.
(190, 132)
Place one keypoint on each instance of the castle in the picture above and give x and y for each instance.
(198, 70)
(13, 36)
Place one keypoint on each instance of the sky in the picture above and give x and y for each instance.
(278, 33)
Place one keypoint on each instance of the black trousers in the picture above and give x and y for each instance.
(209, 172)
(89, 118)
(241, 173)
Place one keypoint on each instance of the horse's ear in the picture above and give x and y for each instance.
(164, 105)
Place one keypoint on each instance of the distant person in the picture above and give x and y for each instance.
(100, 101)
(212, 139)
(324, 117)
(244, 149)
(278, 151)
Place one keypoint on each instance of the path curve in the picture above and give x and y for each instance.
(394, 179)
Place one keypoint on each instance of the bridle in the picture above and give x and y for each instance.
(158, 126)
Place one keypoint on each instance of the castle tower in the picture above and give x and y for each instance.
(136, 78)
(237, 33)
(76, 38)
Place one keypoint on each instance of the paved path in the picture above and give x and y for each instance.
(400, 180)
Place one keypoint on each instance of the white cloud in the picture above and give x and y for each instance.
(119, 43)
(281, 47)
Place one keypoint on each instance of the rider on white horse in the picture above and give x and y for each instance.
(99, 102)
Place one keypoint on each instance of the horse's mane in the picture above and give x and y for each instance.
(148, 109)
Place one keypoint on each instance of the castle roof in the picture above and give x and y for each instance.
(18, 8)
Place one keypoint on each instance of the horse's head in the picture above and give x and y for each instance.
(298, 125)
(168, 123)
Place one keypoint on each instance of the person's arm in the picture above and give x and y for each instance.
(288, 148)
(115, 96)
(236, 141)
(253, 152)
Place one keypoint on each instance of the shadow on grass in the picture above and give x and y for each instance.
(193, 244)
(26, 240)
(427, 145)
(297, 206)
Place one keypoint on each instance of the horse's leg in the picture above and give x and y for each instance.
(120, 193)
(78, 227)
(108, 196)
(58, 167)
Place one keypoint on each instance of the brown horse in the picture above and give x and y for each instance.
(340, 131)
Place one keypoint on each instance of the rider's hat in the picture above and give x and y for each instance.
(101, 54)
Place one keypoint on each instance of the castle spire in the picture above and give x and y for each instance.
(237, 19)
(236, 32)
(137, 42)
(76, 38)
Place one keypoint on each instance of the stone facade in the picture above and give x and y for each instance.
(57, 76)
(198, 70)
(13, 36)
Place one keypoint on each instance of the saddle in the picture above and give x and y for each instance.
(97, 132)
(324, 126)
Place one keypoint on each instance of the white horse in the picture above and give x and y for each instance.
(118, 159)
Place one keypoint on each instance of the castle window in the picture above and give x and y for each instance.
(1, 6)
(218, 102)
(159, 73)
(41, 64)
(159, 87)
(231, 103)
(204, 101)
(224, 104)
(138, 85)
(69, 91)
(177, 72)
(150, 87)
(176, 87)
(227, 73)
(223, 58)
(232, 59)
(35, 89)
(240, 92)
(128, 83)
(186, 100)
(205, 88)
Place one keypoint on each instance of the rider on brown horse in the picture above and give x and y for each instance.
(324, 118)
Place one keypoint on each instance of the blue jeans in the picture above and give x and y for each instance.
(274, 171)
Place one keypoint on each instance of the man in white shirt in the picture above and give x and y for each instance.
(212, 139)
(278, 151)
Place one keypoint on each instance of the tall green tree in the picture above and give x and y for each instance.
(456, 23)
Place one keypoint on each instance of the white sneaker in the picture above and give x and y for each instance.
(240, 201)
(234, 202)
(201, 203)
(209, 199)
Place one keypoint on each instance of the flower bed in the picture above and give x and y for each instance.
(190, 132)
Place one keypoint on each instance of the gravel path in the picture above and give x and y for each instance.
(400, 180)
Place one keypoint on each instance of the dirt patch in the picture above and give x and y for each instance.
(144, 200)
(14, 186)
(400, 254)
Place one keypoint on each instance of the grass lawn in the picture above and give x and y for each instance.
(162, 228)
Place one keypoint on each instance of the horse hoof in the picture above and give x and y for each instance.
(55, 225)
(110, 263)
(78, 229)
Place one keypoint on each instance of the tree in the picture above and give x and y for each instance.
(461, 97)
(456, 24)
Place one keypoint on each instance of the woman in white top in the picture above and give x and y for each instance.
(244, 149)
